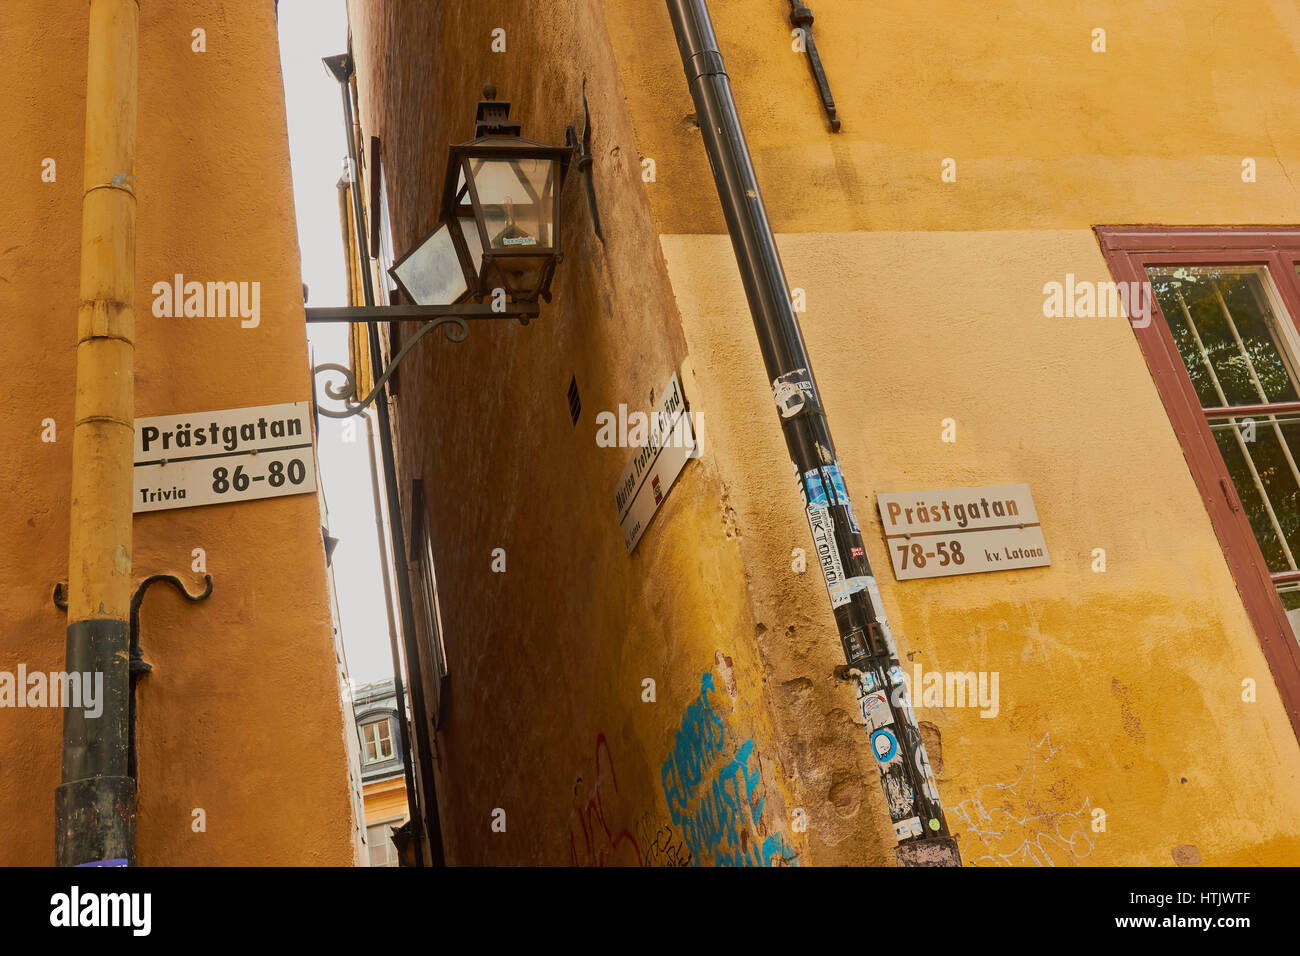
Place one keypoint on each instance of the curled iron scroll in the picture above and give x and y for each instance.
(455, 330)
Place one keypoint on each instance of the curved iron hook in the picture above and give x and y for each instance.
(62, 604)
(138, 666)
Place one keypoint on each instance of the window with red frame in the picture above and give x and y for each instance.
(1223, 345)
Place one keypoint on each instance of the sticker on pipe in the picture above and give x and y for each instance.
(209, 458)
(792, 391)
(875, 711)
(908, 828)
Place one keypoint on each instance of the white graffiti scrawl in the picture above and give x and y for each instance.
(1022, 823)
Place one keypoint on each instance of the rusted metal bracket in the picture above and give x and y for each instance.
(802, 17)
(581, 146)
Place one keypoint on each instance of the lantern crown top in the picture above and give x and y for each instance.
(493, 116)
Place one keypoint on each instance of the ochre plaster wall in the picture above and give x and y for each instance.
(241, 714)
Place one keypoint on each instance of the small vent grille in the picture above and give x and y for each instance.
(575, 402)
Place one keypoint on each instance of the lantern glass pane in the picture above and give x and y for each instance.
(517, 200)
(432, 274)
(473, 241)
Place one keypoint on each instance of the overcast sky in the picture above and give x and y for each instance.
(310, 30)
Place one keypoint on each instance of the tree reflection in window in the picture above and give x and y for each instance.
(1236, 353)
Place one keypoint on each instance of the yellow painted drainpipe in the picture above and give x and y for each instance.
(95, 804)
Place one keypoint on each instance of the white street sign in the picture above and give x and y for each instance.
(208, 458)
(649, 475)
(934, 534)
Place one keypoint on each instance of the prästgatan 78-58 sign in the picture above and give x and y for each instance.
(937, 534)
(208, 458)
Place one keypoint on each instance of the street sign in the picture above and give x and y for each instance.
(208, 458)
(935, 534)
(669, 444)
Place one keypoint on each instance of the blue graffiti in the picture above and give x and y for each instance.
(719, 811)
(698, 742)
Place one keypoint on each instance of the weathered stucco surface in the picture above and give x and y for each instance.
(545, 717)
(1119, 691)
(1110, 684)
(241, 715)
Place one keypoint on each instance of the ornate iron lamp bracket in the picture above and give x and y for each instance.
(455, 329)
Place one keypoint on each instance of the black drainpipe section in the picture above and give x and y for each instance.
(399, 693)
(910, 790)
(341, 67)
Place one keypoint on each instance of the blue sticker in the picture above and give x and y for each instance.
(842, 493)
(816, 490)
(117, 862)
(906, 829)
(885, 745)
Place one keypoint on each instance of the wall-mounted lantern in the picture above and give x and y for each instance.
(493, 252)
(499, 221)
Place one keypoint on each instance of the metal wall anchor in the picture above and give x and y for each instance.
(802, 17)
(581, 146)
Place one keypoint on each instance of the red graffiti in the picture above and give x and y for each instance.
(597, 844)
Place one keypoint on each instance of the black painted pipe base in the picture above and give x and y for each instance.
(96, 821)
(94, 807)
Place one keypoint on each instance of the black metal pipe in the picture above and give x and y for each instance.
(94, 805)
(399, 692)
(341, 67)
(910, 791)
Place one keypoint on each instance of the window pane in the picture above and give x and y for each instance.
(386, 257)
(517, 200)
(378, 740)
(1226, 333)
(432, 274)
(1261, 455)
(382, 851)
(1290, 595)
(470, 230)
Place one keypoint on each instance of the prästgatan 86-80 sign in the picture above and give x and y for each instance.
(208, 458)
